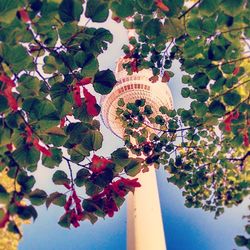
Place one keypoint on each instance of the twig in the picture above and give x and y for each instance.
(78, 164)
(187, 11)
(240, 159)
(229, 90)
(235, 29)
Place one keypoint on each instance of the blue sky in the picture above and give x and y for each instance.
(185, 229)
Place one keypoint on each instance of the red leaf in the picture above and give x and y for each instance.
(4, 220)
(246, 139)
(68, 204)
(75, 197)
(228, 120)
(40, 148)
(24, 15)
(67, 185)
(165, 77)
(29, 138)
(153, 79)
(84, 81)
(236, 71)
(99, 163)
(62, 122)
(133, 65)
(120, 186)
(8, 91)
(111, 207)
(11, 99)
(102, 194)
(116, 19)
(9, 146)
(77, 96)
(90, 102)
(79, 209)
(161, 5)
(74, 219)
(5, 79)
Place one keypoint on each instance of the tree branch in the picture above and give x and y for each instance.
(189, 9)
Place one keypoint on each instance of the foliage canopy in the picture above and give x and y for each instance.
(47, 62)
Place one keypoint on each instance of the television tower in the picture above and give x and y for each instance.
(144, 219)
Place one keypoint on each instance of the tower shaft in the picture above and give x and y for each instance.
(144, 219)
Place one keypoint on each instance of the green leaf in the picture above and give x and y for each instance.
(152, 28)
(49, 66)
(213, 72)
(54, 160)
(26, 155)
(17, 57)
(3, 103)
(42, 111)
(232, 7)
(218, 85)
(80, 58)
(208, 26)
(90, 66)
(164, 110)
(104, 178)
(57, 137)
(92, 189)
(232, 98)
(240, 240)
(96, 11)
(37, 197)
(120, 157)
(5, 135)
(200, 109)
(8, 9)
(174, 7)
(77, 132)
(194, 27)
(67, 31)
(81, 176)
(61, 98)
(208, 7)
(133, 167)
(102, 34)
(70, 10)
(200, 80)
(65, 220)
(4, 195)
(217, 108)
(247, 228)
(89, 206)
(57, 199)
(29, 86)
(26, 182)
(123, 8)
(173, 27)
(13, 228)
(186, 79)
(92, 140)
(26, 212)
(146, 4)
(78, 153)
(185, 92)
(228, 68)
(216, 52)
(104, 81)
(60, 177)
(121, 102)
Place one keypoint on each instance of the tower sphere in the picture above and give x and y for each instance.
(131, 88)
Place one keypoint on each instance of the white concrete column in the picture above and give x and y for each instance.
(144, 218)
